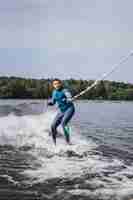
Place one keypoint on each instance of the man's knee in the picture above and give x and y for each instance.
(63, 124)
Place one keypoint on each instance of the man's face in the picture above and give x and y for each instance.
(57, 84)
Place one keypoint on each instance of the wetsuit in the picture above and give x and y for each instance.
(66, 111)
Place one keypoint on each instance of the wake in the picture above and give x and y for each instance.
(33, 131)
(80, 161)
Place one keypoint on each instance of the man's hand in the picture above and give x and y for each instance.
(50, 103)
(69, 99)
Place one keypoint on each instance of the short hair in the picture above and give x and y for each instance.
(56, 79)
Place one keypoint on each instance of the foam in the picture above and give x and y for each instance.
(55, 162)
(24, 130)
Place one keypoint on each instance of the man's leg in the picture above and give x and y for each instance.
(55, 124)
(66, 118)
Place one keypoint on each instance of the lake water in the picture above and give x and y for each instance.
(98, 166)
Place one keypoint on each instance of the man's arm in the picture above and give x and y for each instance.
(52, 101)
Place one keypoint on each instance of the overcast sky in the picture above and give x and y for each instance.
(66, 38)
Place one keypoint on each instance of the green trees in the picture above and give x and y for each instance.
(15, 87)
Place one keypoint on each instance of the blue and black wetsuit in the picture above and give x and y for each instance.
(66, 111)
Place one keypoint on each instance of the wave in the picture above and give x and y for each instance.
(90, 172)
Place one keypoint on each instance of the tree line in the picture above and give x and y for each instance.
(16, 87)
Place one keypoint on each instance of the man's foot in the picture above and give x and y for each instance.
(67, 139)
(70, 143)
(54, 139)
(54, 142)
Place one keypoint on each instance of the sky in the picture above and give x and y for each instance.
(79, 39)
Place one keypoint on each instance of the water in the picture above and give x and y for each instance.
(98, 166)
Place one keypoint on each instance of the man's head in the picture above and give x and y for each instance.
(57, 84)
